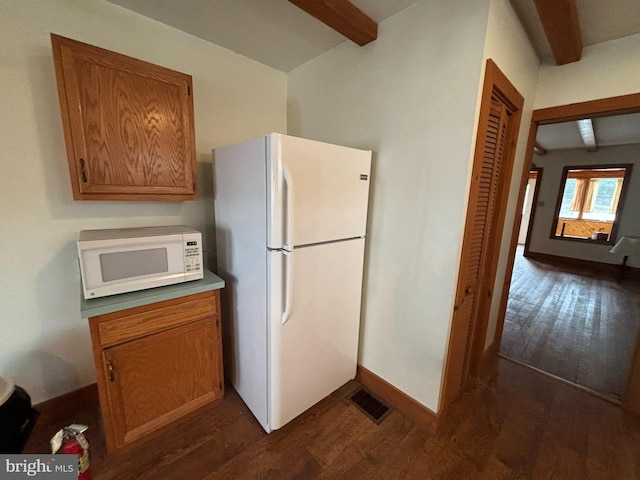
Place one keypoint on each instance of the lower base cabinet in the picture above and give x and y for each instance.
(157, 363)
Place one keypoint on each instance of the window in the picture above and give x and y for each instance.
(590, 202)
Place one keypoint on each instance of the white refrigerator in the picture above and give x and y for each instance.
(290, 220)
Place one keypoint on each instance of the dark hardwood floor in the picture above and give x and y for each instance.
(572, 323)
(514, 424)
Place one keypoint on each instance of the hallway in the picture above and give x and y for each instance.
(572, 323)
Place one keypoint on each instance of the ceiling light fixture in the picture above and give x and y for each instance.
(588, 136)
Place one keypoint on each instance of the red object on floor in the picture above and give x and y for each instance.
(72, 446)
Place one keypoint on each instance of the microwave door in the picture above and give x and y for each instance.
(137, 265)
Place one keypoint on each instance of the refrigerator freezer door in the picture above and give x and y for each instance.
(318, 192)
(314, 349)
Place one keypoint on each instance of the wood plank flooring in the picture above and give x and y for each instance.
(514, 424)
(572, 323)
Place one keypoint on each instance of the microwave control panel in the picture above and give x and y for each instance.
(192, 255)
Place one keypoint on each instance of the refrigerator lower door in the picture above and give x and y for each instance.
(315, 295)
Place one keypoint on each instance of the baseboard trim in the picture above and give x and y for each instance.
(600, 267)
(69, 402)
(398, 399)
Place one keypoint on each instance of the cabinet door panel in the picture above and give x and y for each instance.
(146, 146)
(156, 379)
(128, 125)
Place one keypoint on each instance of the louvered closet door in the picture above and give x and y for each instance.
(479, 237)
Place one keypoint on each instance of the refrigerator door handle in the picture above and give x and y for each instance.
(288, 178)
(288, 287)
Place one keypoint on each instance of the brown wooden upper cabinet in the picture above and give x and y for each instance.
(128, 125)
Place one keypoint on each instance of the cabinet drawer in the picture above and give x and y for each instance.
(141, 321)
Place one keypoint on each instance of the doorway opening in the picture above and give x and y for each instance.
(630, 395)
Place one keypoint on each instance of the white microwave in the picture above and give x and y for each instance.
(127, 259)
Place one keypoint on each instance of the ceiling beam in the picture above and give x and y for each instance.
(343, 16)
(560, 22)
(538, 150)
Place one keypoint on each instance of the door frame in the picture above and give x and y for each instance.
(497, 85)
(532, 215)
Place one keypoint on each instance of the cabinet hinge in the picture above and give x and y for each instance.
(217, 323)
(188, 90)
(220, 385)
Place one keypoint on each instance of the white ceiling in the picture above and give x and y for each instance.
(272, 32)
(617, 130)
(279, 34)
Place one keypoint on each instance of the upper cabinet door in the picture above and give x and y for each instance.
(128, 125)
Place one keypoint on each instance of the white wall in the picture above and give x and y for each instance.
(553, 163)
(44, 344)
(509, 47)
(527, 208)
(410, 96)
(605, 70)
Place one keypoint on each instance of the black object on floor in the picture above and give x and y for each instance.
(17, 418)
(369, 405)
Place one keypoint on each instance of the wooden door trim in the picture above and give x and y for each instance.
(618, 105)
(539, 171)
(497, 85)
(479, 331)
(593, 108)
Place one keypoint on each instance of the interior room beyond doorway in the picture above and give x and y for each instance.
(572, 323)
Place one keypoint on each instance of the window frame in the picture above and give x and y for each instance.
(616, 222)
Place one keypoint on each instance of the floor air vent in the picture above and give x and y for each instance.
(369, 405)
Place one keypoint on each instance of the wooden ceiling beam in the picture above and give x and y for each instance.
(343, 16)
(560, 22)
(538, 150)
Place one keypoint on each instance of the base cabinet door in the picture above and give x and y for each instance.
(156, 379)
